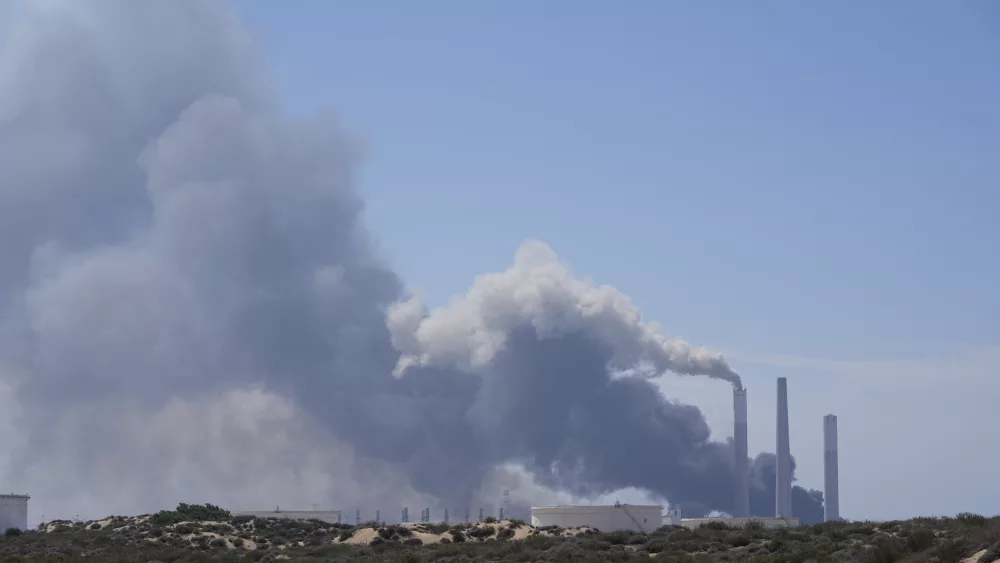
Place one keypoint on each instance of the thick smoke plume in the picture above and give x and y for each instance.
(191, 309)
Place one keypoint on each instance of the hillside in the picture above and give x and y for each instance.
(206, 533)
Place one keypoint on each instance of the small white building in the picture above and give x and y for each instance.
(13, 512)
(768, 522)
(638, 518)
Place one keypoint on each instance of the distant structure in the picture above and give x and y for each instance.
(831, 476)
(14, 511)
(609, 518)
(674, 516)
(783, 468)
(741, 465)
(406, 516)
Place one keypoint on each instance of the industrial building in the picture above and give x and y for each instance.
(783, 469)
(638, 518)
(14, 512)
(606, 518)
(647, 518)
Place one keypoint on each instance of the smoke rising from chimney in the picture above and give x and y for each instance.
(191, 309)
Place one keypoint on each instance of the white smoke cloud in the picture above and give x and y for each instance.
(540, 291)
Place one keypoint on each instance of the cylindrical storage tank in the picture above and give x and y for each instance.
(638, 518)
(13, 512)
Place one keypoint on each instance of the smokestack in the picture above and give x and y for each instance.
(741, 467)
(831, 474)
(783, 469)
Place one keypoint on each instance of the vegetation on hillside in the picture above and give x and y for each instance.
(202, 533)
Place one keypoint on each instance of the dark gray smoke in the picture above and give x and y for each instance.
(191, 309)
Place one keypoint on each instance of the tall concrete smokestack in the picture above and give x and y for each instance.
(741, 467)
(831, 473)
(783, 470)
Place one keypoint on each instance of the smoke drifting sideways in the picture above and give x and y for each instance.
(192, 310)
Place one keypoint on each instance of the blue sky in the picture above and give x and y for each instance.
(811, 189)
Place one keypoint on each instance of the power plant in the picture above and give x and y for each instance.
(640, 518)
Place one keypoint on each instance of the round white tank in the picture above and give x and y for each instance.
(13, 512)
(638, 518)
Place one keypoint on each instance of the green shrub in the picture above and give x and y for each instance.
(992, 554)
(951, 550)
(10, 532)
(885, 550)
(190, 513)
(505, 534)
(920, 539)
(439, 528)
(970, 519)
(739, 541)
(490, 520)
(481, 532)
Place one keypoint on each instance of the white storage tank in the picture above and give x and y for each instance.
(13, 512)
(638, 518)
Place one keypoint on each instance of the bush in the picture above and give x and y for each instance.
(951, 551)
(970, 519)
(190, 513)
(437, 528)
(920, 539)
(992, 554)
(739, 541)
(884, 551)
(481, 532)
(505, 534)
(10, 532)
(490, 520)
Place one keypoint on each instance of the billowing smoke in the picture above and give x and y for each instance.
(191, 309)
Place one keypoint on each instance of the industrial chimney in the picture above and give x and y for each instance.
(831, 477)
(783, 467)
(741, 468)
